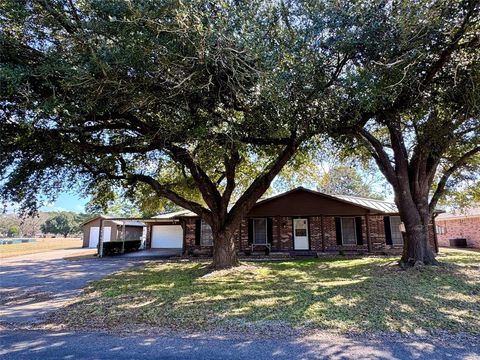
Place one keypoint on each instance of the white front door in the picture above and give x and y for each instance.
(300, 234)
(167, 237)
(93, 237)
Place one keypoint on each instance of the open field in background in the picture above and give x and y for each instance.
(335, 293)
(41, 245)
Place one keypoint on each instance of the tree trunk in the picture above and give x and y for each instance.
(416, 247)
(224, 252)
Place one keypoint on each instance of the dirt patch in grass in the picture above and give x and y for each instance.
(337, 294)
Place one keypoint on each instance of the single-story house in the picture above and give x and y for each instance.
(299, 221)
(459, 225)
(112, 230)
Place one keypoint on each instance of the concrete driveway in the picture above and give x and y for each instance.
(33, 285)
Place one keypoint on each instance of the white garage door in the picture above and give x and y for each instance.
(167, 237)
(94, 235)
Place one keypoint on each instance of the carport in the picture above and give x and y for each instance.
(159, 236)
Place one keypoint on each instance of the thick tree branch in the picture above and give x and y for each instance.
(230, 170)
(449, 172)
(207, 188)
(262, 183)
(172, 196)
(381, 157)
(159, 189)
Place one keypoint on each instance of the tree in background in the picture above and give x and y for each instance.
(13, 231)
(462, 191)
(332, 171)
(346, 180)
(63, 223)
(31, 225)
(201, 103)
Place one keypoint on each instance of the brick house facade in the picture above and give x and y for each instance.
(464, 226)
(302, 220)
(322, 239)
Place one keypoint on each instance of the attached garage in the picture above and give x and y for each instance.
(167, 237)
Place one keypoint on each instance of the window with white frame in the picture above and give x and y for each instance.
(395, 222)
(441, 230)
(206, 235)
(349, 235)
(260, 231)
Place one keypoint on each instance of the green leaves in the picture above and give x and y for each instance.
(64, 223)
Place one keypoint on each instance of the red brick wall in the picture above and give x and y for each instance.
(316, 233)
(189, 229)
(326, 240)
(282, 228)
(329, 234)
(377, 232)
(467, 228)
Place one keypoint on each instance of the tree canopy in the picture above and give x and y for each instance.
(204, 103)
(412, 103)
(199, 103)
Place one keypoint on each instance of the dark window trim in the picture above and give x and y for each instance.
(387, 229)
(354, 228)
(253, 230)
(202, 223)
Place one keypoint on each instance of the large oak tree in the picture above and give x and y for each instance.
(412, 102)
(201, 103)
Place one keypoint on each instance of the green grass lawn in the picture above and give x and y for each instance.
(343, 294)
(40, 245)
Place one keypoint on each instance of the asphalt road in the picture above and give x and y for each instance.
(51, 345)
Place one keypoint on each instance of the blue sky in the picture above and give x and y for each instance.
(67, 202)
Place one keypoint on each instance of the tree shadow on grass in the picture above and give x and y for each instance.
(339, 294)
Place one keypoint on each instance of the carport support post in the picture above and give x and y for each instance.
(123, 236)
(100, 239)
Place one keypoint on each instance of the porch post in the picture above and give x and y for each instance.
(323, 233)
(100, 238)
(367, 223)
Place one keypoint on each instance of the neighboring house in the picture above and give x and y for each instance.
(112, 230)
(298, 221)
(459, 226)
